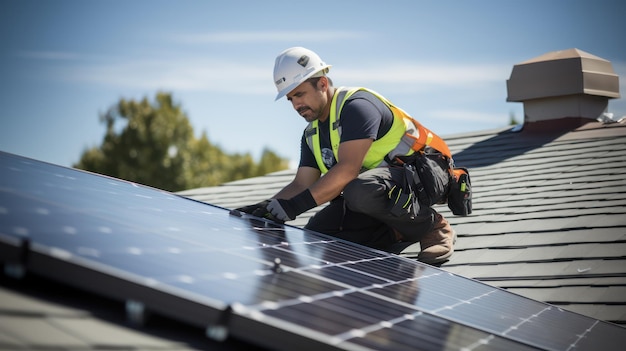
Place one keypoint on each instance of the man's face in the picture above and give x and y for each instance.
(310, 100)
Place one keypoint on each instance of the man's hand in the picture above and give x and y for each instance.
(282, 209)
(258, 207)
(288, 210)
(260, 210)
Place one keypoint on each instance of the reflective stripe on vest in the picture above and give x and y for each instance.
(405, 136)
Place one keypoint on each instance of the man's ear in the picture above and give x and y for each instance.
(322, 83)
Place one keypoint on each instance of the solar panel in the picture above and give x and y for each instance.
(277, 286)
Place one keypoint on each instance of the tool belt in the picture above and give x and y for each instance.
(460, 193)
(430, 178)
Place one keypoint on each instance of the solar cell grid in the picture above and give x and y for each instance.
(280, 282)
(424, 332)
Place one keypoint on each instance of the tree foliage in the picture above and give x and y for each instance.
(512, 119)
(154, 144)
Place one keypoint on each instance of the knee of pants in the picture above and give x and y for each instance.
(364, 196)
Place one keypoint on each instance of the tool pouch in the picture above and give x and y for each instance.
(460, 194)
(432, 169)
(425, 182)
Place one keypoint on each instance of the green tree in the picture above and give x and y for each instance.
(512, 119)
(154, 144)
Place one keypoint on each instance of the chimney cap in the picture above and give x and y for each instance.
(563, 54)
(562, 73)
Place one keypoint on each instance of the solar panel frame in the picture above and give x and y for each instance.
(274, 285)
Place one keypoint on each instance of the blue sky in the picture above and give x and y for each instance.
(64, 63)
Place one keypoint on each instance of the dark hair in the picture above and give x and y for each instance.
(314, 81)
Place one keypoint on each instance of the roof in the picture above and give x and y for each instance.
(548, 224)
(80, 250)
(549, 214)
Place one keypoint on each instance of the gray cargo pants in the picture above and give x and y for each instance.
(362, 214)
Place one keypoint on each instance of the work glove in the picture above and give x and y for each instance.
(258, 209)
(288, 210)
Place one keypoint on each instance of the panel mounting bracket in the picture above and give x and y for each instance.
(136, 312)
(219, 330)
(17, 269)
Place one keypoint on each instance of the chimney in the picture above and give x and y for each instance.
(563, 89)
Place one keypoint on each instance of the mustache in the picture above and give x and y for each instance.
(302, 109)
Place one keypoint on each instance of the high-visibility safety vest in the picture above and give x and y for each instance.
(405, 136)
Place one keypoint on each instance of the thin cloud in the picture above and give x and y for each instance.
(430, 74)
(228, 76)
(48, 55)
(266, 36)
(180, 74)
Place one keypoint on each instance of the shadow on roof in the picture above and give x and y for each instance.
(505, 145)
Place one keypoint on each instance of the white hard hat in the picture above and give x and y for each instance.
(295, 65)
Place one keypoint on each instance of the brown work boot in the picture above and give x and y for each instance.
(437, 245)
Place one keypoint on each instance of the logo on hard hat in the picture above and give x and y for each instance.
(303, 60)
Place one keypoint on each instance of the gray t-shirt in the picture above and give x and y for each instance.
(363, 116)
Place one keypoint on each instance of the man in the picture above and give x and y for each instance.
(353, 138)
